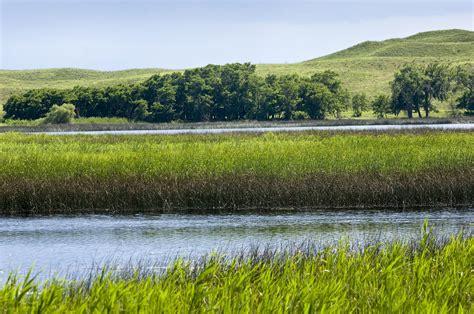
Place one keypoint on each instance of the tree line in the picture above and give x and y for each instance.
(235, 92)
(415, 87)
(211, 93)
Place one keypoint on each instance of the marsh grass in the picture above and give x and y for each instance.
(430, 275)
(48, 174)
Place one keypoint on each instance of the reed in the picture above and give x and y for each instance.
(51, 174)
(427, 276)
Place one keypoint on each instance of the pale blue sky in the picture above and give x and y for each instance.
(117, 34)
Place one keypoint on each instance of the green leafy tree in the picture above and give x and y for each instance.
(382, 105)
(163, 109)
(341, 99)
(407, 90)
(268, 98)
(140, 110)
(436, 85)
(317, 100)
(33, 104)
(199, 100)
(360, 103)
(210, 93)
(236, 90)
(465, 84)
(84, 99)
(415, 87)
(289, 98)
(162, 112)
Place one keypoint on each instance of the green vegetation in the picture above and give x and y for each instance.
(369, 67)
(382, 106)
(14, 82)
(465, 82)
(360, 103)
(212, 93)
(415, 87)
(88, 122)
(76, 174)
(426, 276)
(60, 114)
(234, 92)
(366, 68)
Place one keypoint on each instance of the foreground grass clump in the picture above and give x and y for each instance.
(47, 174)
(429, 276)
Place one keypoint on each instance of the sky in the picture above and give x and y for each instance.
(176, 34)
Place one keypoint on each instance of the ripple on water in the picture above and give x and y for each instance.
(58, 244)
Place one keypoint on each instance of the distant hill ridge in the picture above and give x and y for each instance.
(445, 43)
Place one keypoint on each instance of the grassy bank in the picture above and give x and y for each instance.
(429, 276)
(72, 174)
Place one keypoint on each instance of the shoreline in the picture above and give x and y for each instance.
(132, 126)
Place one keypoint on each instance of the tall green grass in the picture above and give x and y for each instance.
(48, 174)
(424, 277)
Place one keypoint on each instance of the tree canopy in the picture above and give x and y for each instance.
(465, 83)
(211, 93)
(235, 92)
(416, 86)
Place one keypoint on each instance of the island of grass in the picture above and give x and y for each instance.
(426, 276)
(43, 174)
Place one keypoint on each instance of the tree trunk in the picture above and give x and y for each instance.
(427, 106)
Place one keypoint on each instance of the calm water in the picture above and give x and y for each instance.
(62, 244)
(456, 126)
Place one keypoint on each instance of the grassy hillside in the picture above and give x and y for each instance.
(366, 67)
(15, 81)
(369, 66)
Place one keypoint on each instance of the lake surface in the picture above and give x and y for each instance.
(65, 244)
(454, 126)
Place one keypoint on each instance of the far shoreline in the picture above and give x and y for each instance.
(238, 126)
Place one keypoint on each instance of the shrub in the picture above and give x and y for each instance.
(60, 114)
(300, 115)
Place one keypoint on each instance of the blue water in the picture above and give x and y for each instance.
(61, 244)
(457, 126)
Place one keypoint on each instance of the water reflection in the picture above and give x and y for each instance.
(61, 243)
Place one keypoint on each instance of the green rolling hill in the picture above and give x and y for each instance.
(367, 67)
